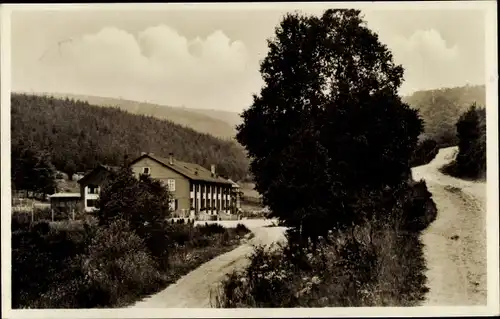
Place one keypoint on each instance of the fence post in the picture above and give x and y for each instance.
(73, 213)
(52, 212)
(32, 212)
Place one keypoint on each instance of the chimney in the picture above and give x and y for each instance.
(171, 158)
(212, 169)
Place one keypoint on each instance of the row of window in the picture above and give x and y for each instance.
(208, 189)
(205, 203)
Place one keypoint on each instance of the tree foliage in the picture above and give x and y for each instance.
(328, 122)
(471, 133)
(425, 152)
(142, 202)
(79, 136)
(32, 170)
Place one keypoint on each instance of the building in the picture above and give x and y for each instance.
(65, 202)
(196, 191)
(90, 186)
(236, 197)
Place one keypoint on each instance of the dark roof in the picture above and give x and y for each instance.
(65, 195)
(190, 170)
(99, 167)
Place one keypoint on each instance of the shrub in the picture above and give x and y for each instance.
(118, 265)
(42, 258)
(242, 229)
(344, 273)
(425, 152)
(377, 263)
(210, 229)
(471, 158)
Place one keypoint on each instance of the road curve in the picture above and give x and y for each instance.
(194, 289)
(455, 243)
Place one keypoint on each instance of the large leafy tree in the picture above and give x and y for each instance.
(143, 201)
(328, 123)
(471, 133)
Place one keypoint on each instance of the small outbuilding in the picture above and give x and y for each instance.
(65, 202)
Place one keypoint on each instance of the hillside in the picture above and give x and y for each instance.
(213, 122)
(231, 118)
(77, 136)
(441, 109)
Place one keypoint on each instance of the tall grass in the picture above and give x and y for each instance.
(378, 263)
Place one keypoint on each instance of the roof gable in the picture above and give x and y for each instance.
(96, 171)
(191, 171)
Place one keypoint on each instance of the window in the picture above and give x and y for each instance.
(191, 203)
(171, 184)
(146, 170)
(190, 187)
(92, 189)
(91, 202)
(204, 203)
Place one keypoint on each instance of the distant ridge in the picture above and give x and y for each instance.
(441, 108)
(214, 122)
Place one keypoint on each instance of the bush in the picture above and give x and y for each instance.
(118, 266)
(42, 258)
(212, 228)
(471, 158)
(377, 263)
(242, 229)
(425, 152)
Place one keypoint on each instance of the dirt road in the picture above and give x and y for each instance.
(194, 289)
(455, 244)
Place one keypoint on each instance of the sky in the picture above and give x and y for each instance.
(208, 57)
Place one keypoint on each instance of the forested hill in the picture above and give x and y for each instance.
(211, 122)
(442, 108)
(78, 136)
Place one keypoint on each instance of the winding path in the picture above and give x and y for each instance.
(194, 290)
(454, 247)
(455, 243)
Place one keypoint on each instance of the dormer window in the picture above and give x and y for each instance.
(146, 170)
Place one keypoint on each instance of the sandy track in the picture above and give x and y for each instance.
(455, 244)
(194, 289)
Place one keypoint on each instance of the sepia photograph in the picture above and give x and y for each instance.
(306, 158)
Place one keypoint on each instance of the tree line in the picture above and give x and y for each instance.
(74, 136)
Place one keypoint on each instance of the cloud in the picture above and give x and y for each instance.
(429, 61)
(157, 64)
